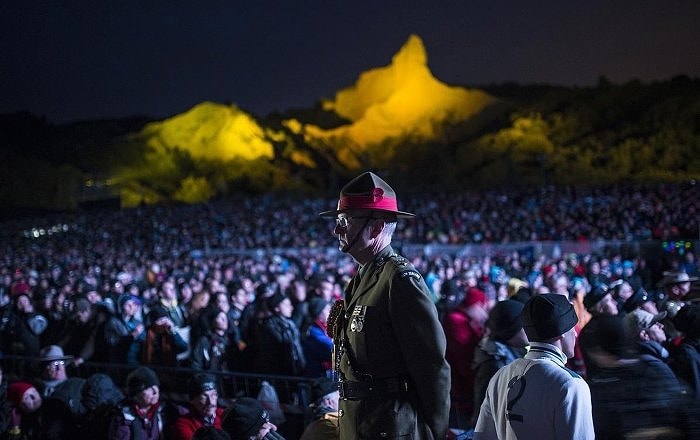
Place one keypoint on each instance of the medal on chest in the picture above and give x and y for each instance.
(357, 319)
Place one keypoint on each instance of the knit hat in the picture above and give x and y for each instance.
(200, 383)
(274, 300)
(548, 316)
(474, 296)
(156, 313)
(505, 319)
(16, 391)
(595, 296)
(81, 305)
(610, 335)
(140, 379)
(127, 297)
(209, 433)
(316, 306)
(321, 387)
(244, 418)
(687, 320)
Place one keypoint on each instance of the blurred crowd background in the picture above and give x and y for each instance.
(241, 289)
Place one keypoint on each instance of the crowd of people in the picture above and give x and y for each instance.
(161, 286)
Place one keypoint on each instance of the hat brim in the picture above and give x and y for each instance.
(55, 358)
(664, 283)
(659, 317)
(397, 214)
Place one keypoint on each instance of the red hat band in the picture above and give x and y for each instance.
(376, 200)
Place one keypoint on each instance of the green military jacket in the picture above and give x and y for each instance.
(391, 329)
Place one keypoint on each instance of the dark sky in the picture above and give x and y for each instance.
(70, 60)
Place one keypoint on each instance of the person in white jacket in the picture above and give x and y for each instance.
(537, 397)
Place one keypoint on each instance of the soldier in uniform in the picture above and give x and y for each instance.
(389, 346)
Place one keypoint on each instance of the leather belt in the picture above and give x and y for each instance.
(351, 390)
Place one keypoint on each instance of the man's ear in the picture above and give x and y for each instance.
(376, 227)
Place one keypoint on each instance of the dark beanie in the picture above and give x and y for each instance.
(139, 380)
(274, 300)
(610, 335)
(200, 383)
(209, 433)
(595, 295)
(548, 316)
(687, 320)
(505, 319)
(316, 306)
(244, 418)
(156, 313)
(321, 387)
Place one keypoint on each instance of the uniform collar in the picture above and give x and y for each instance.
(541, 350)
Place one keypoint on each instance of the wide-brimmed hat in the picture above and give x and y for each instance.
(52, 353)
(671, 278)
(368, 192)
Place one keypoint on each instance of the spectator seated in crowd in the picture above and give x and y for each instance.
(324, 411)
(246, 419)
(202, 410)
(142, 414)
(504, 341)
(87, 288)
(632, 395)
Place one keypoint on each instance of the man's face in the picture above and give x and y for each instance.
(148, 397)
(351, 229)
(24, 304)
(568, 342)
(607, 306)
(130, 307)
(285, 308)
(326, 290)
(221, 321)
(83, 315)
(31, 400)
(656, 333)
(222, 303)
(625, 291)
(55, 370)
(168, 291)
(204, 403)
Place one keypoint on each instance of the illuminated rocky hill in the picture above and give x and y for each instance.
(388, 105)
(212, 131)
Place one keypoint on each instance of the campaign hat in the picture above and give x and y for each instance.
(368, 192)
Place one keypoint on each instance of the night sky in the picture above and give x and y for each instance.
(73, 60)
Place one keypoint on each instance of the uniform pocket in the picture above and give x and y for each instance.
(388, 419)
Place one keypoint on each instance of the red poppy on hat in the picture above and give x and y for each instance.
(368, 192)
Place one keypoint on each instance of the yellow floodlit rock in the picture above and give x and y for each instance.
(210, 131)
(394, 102)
